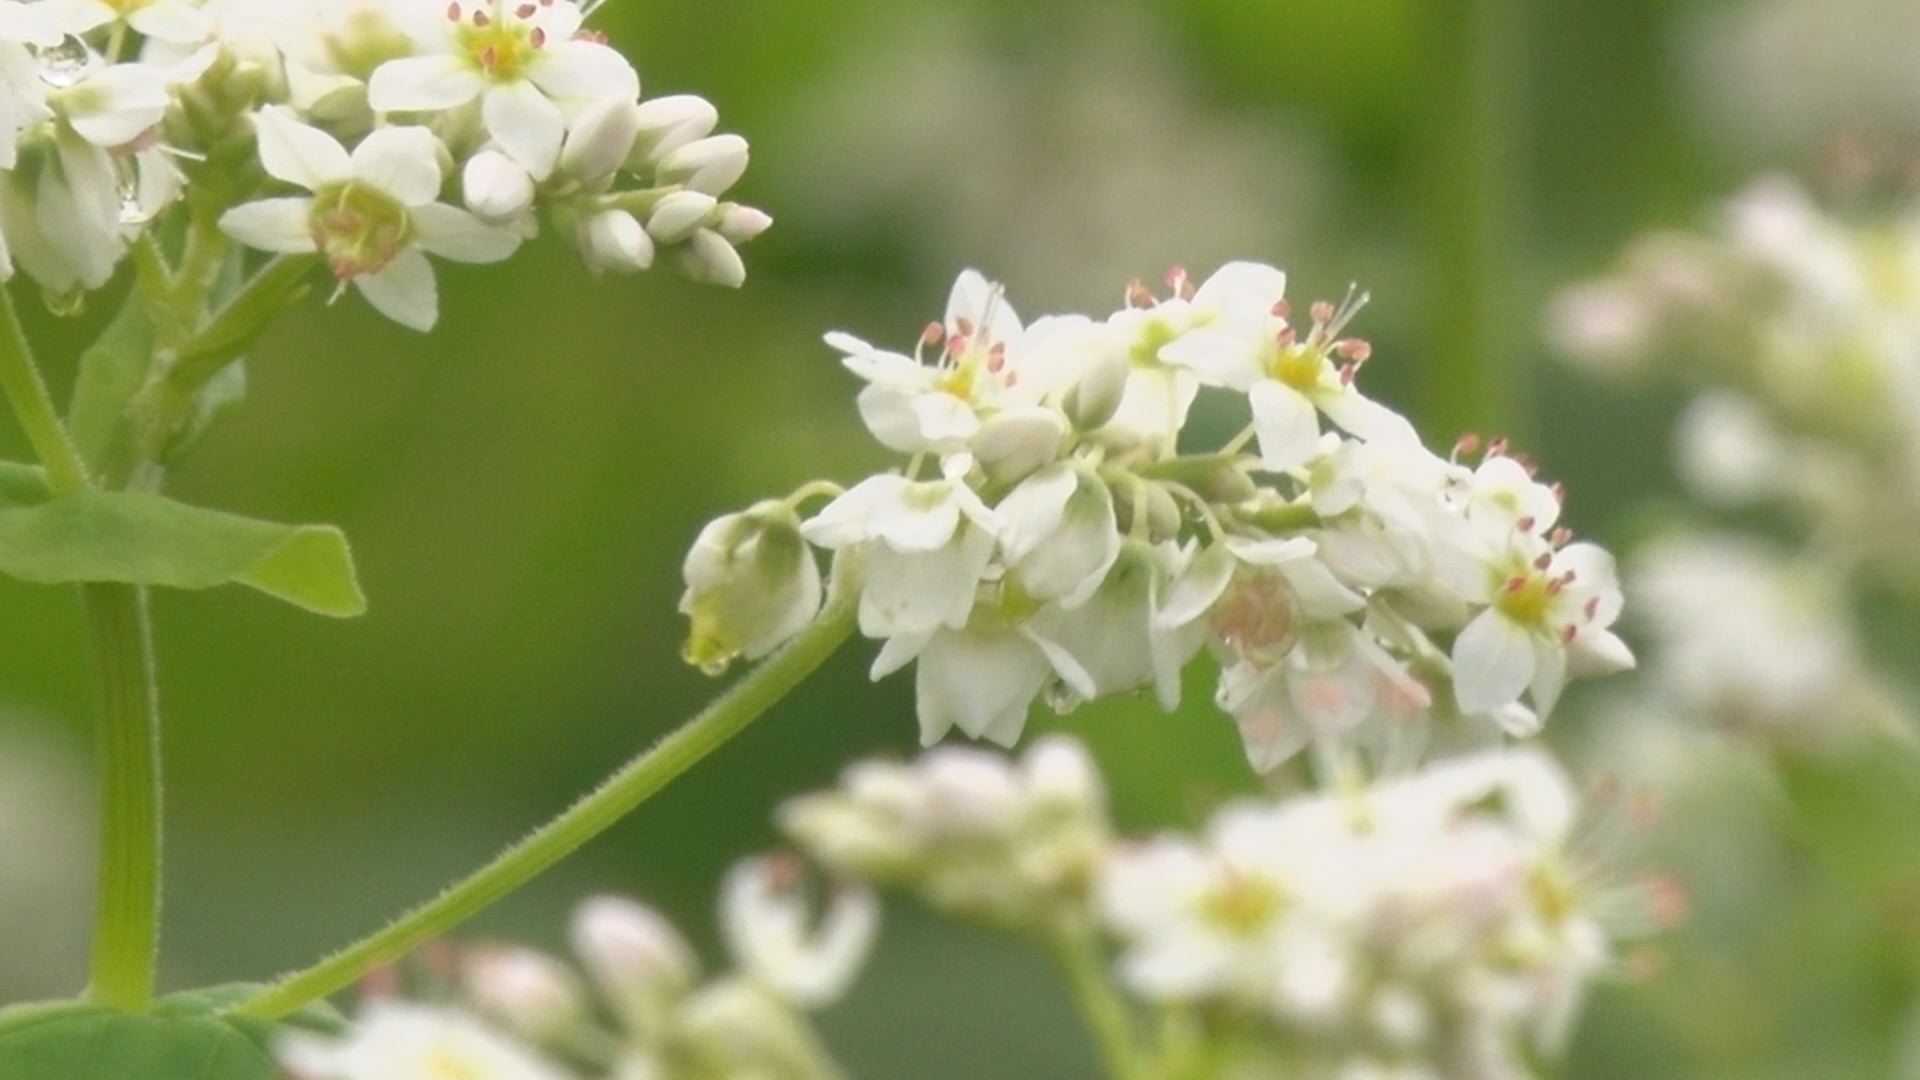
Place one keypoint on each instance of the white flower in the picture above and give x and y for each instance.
(1544, 605)
(1250, 346)
(529, 991)
(927, 545)
(526, 63)
(372, 214)
(752, 583)
(1060, 535)
(913, 405)
(395, 1041)
(614, 241)
(768, 926)
(634, 954)
(1729, 451)
(495, 188)
(1117, 637)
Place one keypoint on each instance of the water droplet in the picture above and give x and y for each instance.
(67, 304)
(1062, 699)
(65, 64)
(133, 211)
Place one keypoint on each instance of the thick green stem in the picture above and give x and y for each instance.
(1471, 97)
(1106, 1016)
(27, 392)
(127, 908)
(240, 323)
(623, 792)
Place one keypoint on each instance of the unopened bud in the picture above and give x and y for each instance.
(740, 224)
(706, 257)
(495, 187)
(614, 241)
(1092, 402)
(528, 991)
(712, 164)
(669, 123)
(752, 583)
(677, 216)
(632, 952)
(601, 137)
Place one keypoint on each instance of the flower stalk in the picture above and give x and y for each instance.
(598, 811)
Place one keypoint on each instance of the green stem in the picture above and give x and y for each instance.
(200, 263)
(623, 792)
(127, 912)
(27, 392)
(1475, 378)
(1106, 1016)
(239, 324)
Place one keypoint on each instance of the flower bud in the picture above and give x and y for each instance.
(633, 953)
(669, 123)
(613, 241)
(676, 216)
(1015, 442)
(712, 164)
(737, 1029)
(601, 137)
(1060, 772)
(1092, 402)
(752, 583)
(740, 224)
(528, 991)
(495, 187)
(706, 257)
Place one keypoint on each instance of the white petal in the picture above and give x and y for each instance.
(403, 162)
(299, 154)
(844, 520)
(526, 125)
(452, 233)
(1599, 652)
(1493, 662)
(1242, 294)
(423, 84)
(897, 652)
(278, 225)
(1549, 676)
(944, 420)
(980, 682)
(1198, 587)
(1288, 427)
(586, 70)
(923, 518)
(170, 20)
(1220, 358)
(1033, 510)
(404, 291)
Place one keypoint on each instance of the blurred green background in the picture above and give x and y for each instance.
(520, 486)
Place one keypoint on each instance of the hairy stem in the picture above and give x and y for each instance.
(127, 906)
(1108, 1020)
(27, 392)
(620, 795)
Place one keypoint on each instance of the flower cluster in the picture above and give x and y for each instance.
(1050, 537)
(1800, 332)
(1445, 923)
(388, 131)
(976, 836)
(511, 1013)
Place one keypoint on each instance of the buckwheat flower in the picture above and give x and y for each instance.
(1544, 604)
(399, 1041)
(614, 241)
(769, 927)
(927, 545)
(1332, 681)
(177, 21)
(917, 403)
(372, 214)
(495, 188)
(526, 63)
(1060, 534)
(1117, 635)
(1504, 496)
(666, 124)
(752, 583)
(1289, 379)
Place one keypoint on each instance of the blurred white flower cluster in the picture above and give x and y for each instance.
(642, 1011)
(1050, 537)
(1444, 924)
(1799, 331)
(387, 130)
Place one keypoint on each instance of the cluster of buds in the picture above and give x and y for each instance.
(388, 130)
(1445, 923)
(974, 835)
(1799, 330)
(1049, 537)
(637, 1008)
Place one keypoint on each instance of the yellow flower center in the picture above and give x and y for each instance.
(1243, 906)
(501, 48)
(1525, 599)
(358, 229)
(1298, 366)
(447, 1065)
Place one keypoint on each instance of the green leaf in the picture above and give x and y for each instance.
(111, 373)
(22, 485)
(184, 1038)
(143, 539)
